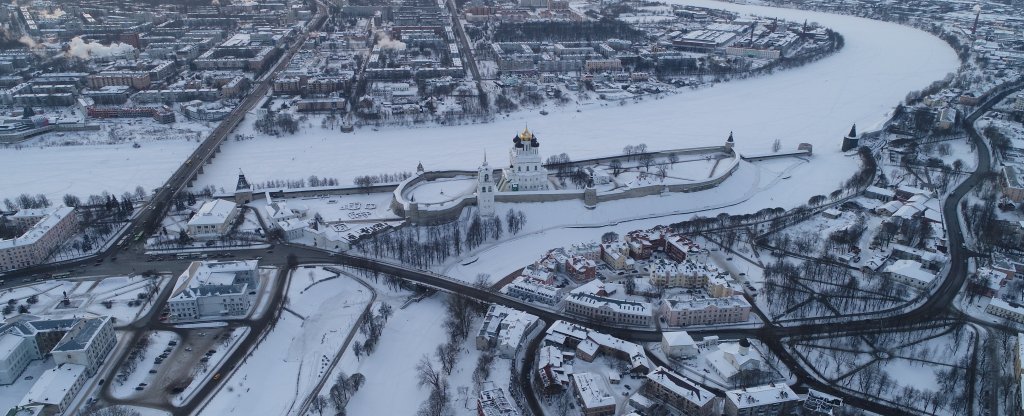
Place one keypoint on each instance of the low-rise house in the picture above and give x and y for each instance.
(526, 288)
(679, 392)
(593, 394)
(678, 344)
(504, 329)
(214, 219)
(911, 273)
(495, 401)
(1006, 310)
(821, 404)
(771, 399)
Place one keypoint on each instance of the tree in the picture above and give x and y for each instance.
(28, 112)
(616, 166)
(113, 411)
(447, 355)
(385, 311)
(319, 403)
(72, 200)
(776, 146)
(609, 237)
(32, 300)
(357, 349)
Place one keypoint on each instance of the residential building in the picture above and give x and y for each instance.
(86, 344)
(686, 274)
(526, 288)
(593, 301)
(616, 255)
(820, 404)
(47, 229)
(593, 394)
(911, 273)
(504, 329)
(1004, 309)
(686, 310)
(214, 289)
(552, 370)
(214, 219)
(678, 344)
(56, 388)
(494, 401)
(1012, 183)
(772, 399)
(679, 392)
(81, 341)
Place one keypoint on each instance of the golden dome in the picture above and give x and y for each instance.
(526, 135)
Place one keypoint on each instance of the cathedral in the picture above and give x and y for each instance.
(525, 171)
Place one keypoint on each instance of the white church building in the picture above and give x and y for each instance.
(526, 171)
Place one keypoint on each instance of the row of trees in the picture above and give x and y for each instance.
(275, 124)
(461, 313)
(426, 245)
(366, 181)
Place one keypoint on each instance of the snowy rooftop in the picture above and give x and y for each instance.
(213, 212)
(692, 302)
(595, 294)
(680, 386)
(761, 395)
(912, 270)
(678, 338)
(54, 384)
(82, 335)
(592, 390)
(50, 217)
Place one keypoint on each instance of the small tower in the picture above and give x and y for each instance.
(851, 141)
(243, 191)
(485, 189)
(729, 143)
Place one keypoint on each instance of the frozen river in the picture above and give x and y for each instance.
(816, 104)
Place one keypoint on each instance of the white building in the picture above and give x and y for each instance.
(56, 388)
(733, 357)
(685, 310)
(910, 272)
(526, 171)
(1003, 309)
(679, 392)
(772, 399)
(504, 328)
(25, 338)
(215, 289)
(15, 354)
(213, 219)
(593, 394)
(47, 229)
(593, 301)
(678, 344)
(495, 401)
(86, 344)
(526, 288)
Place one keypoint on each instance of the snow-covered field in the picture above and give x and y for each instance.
(320, 313)
(87, 297)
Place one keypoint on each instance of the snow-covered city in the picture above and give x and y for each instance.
(511, 207)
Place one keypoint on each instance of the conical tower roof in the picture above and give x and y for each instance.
(243, 184)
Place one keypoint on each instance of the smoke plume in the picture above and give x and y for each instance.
(87, 50)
